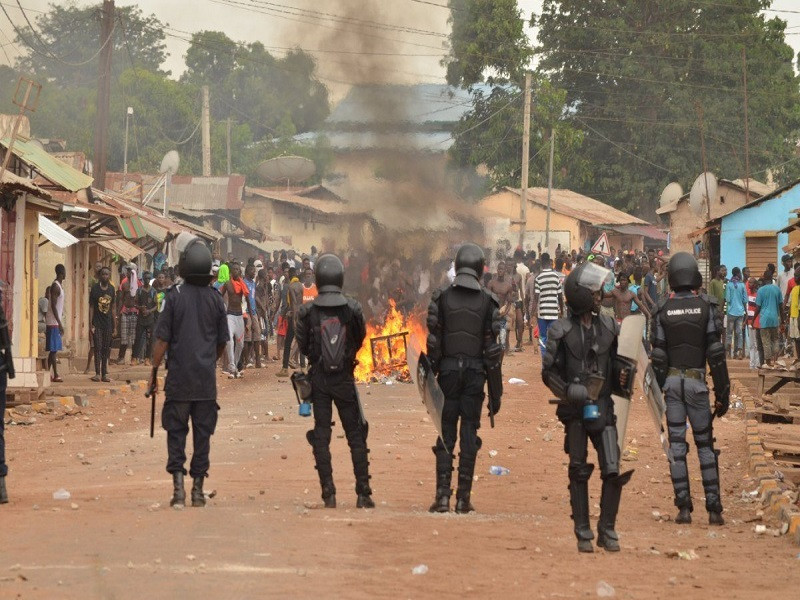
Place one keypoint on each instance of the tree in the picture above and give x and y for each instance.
(488, 44)
(63, 47)
(653, 84)
(248, 84)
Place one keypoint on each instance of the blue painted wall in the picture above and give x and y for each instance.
(772, 214)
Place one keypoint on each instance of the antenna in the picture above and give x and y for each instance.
(671, 193)
(703, 189)
(287, 168)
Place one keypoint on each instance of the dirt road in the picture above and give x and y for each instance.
(265, 535)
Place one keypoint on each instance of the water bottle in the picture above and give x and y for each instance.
(590, 412)
(304, 410)
(498, 470)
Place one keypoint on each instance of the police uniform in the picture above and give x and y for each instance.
(463, 324)
(331, 386)
(686, 336)
(194, 325)
(579, 358)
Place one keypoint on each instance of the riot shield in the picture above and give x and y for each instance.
(431, 393)
(654, 398)
(629, 346)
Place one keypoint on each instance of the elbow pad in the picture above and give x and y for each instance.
(660, 363)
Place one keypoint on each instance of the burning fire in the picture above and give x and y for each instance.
(390, 352)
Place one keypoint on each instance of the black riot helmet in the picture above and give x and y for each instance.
(582, 283)
(194, 263)
(329, 277)
(683, 272)
(470, 262)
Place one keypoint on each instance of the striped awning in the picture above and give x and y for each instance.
(132, 227)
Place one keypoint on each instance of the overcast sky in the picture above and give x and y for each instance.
(279, 30)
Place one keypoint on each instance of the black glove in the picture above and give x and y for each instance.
(721, 405)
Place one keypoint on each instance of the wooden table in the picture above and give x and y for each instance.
(784, 376)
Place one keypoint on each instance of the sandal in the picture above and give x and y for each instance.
(106, 380)
(56, 380)
(96, 378)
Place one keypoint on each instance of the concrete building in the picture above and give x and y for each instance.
(757, 233)
(683, 222)
(576, 222)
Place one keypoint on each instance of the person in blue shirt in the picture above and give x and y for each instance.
(768, 311)
(252, 339)
(736, 301)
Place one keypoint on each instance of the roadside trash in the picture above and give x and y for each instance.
(61, 494)
(517, 381)
(419, 570)
(605, 590)
(498, 470)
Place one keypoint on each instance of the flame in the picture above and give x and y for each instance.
(395, 323)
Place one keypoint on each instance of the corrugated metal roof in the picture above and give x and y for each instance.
(648, 231)
(14, 182)
(578, 206)
(54, 233)
(48, 165)
(205, 193)
(330, 207)
(124, 248)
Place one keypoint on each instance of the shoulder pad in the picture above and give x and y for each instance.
(437, 293)
(354, 305)
(495, 300)
(559, 329)
(609, 323)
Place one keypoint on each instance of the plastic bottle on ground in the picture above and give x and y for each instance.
(498, 470)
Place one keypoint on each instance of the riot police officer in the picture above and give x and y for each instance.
(463, 324)
(580, 366)
(330, 331)
(686, 335)
(193, 327)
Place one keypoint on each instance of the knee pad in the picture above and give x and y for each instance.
(310, 437)
(470, 442)
(580, 472)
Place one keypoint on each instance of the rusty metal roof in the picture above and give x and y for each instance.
(51, 168)
(14, 182)
(206, 193)
(578, 206)
(329, 207)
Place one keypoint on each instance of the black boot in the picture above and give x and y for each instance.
(609, 506)
(360, 458)
(178, 493)
(198, 498)
(322, 463)
(714, 508)
(684, 504)
(579, 500)
(466, 468)
(3, 491)
(444, 476)
(329, 494)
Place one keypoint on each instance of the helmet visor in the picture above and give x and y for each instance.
(593, 277)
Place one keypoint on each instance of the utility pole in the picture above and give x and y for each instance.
(103, 96)
(125, 153)
(549, 189)
(746, 131)
(526, 152)
(228, 144)
(24, 106)
(206, 127)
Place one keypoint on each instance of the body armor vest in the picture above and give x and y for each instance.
(684, 321)
(589, 352)
(464, 313)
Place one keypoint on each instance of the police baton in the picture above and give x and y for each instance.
(151, 393)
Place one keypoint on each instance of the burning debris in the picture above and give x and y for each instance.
(385, 352)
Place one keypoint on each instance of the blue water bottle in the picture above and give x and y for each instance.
(304, 410)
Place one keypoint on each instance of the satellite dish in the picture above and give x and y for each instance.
(170, 162)
(671, 193)
(703, 188)
(287, 168)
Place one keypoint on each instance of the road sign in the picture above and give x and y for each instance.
(601, 246)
